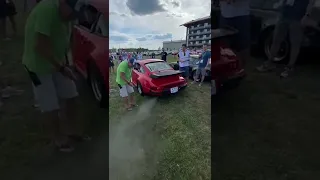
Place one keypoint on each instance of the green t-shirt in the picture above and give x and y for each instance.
(123, 67)
(45, 19)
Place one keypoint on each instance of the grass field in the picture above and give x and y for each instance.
(182, 126)
(174, 137)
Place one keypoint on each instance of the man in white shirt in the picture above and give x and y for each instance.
(184, 58)
(236, 13)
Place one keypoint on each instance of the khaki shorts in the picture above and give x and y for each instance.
(125, 90)
(201, 71)
(51, 88)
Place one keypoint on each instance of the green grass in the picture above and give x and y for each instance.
(184, 125)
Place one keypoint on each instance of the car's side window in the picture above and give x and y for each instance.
(87, 17)
(142, 70)
(102, 28)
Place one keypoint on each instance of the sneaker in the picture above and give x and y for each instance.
(287, 71)
(265, 67)
(200, 84)
(193, 82)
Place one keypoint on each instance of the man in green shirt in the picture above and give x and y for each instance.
(124, 74)
(47, 36)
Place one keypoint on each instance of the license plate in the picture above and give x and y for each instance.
(174, 90)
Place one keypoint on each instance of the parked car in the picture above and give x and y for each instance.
(155, 77)
(263, 20)
(90, 47)
(226, 71)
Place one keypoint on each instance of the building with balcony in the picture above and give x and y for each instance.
(198, 32)
(173, 45)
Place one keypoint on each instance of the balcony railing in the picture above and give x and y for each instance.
(197, 39)
(199, 33)
(200, 27)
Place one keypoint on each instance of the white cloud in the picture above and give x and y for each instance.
(164, 19)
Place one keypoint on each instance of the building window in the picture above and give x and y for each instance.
(209, 41)
(205, 24)
(192, 26)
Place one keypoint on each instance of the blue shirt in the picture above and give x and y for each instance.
(124, 56)
(206, 55)
(295, 10)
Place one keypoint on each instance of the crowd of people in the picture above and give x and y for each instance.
(294, 16)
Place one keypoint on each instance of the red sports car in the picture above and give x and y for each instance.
(90, 46)
(156, 77)
(226, 71)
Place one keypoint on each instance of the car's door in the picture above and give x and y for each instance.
(81, 46)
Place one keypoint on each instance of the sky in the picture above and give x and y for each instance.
(147, 23)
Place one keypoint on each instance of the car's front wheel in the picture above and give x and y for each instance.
(283, 53)
(97, 85)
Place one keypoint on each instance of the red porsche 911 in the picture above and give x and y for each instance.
(90, 46)
(155, 77)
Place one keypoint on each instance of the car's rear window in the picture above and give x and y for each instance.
(158, 66)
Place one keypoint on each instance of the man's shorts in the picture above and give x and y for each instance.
(125, 90)
(201, 71)
(48, 89)
(185, 71)
(242, 40)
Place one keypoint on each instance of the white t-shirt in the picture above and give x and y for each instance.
(235, 9)
(184, 56)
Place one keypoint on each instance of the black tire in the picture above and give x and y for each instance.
(96, 83)
(140, 89)
(284, 52)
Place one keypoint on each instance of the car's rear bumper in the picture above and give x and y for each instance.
(166, 92)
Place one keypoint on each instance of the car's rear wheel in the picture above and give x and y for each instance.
(97, 85)
(284, 50)
(139, 88)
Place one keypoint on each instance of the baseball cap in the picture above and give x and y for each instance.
(131, 60)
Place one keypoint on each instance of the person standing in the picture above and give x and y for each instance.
(164, 55)
(184, 58)
(123, 79)
(292, 15)
(153, 55)
(205, 56)
(7, 10)
(111, 63)
(124, 56)
(236, 14)
(47, 36)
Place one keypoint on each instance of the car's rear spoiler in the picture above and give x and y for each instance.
(164, 74)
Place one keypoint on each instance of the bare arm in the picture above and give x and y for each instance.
(44, 48)
(123, 77)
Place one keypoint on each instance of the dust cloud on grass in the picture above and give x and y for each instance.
(129, 142)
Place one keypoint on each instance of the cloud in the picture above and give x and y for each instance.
(175, 3)
(158, 21)
(117, 14)
(119, 38)
(145, 7)
(141, 39)
(164, 36)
